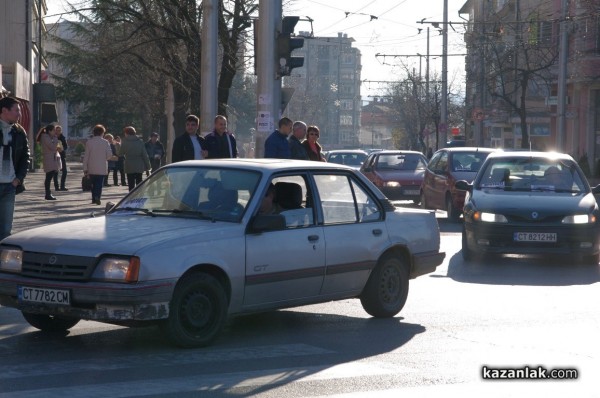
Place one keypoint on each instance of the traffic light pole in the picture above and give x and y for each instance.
(266, 103)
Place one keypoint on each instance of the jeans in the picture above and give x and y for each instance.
(97, 183)
(7, 208)
(133, 179)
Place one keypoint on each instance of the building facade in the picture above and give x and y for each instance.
(22, 64)
(508, 39)
(327, 89)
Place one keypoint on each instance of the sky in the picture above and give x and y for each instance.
(378, 27)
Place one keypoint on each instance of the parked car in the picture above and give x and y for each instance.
(398, 174)
(526, 202)
(447, 166)
(350, 157)
(199, 241)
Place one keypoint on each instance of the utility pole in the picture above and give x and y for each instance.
(562, 77)
(267, 108)
(444, 99)
(208, 70)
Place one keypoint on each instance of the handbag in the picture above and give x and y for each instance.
(86, 183)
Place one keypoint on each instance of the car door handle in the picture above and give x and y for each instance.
(313, 238)
(377, 232)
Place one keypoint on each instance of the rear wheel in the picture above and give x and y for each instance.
(386, 290)
(423, 201)
(453, 212)
(50, 323)
(198, 311)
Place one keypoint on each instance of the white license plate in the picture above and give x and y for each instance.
(28, 294)
(415, 192)
(549, 237)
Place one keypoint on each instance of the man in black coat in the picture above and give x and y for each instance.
(298, 134)
(14, 161)
(221, 143)
(190, 145)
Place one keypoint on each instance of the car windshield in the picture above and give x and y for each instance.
(404, 161)
(532, 174)
(195, 192)
(349, 159)
(468, 161)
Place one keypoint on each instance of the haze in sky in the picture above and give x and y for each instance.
(381, 27)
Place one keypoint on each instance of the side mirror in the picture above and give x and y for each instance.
(463, 186)
(262, 223)
(109, 206)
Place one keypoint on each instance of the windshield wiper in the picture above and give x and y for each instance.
(145, 211)
(196, 213)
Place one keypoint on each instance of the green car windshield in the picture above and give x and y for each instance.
(532, 174)
(201, 192)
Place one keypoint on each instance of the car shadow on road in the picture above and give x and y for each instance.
(520, 270)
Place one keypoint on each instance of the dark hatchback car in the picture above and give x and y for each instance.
(447, 166)
(398, 174)
(531, 203)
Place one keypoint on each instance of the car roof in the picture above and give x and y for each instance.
(262, 164)
(469, 149)
(399, 151)
(346, 151)
(530, 154)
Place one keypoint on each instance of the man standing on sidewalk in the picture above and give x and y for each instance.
(14, 161)
(220, 143)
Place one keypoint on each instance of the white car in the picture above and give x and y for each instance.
(188, 248)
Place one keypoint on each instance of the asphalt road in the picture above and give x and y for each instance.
(508, 313)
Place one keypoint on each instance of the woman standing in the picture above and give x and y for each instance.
(95, 161)
(313, 148)
(50, 157)
(136, 157)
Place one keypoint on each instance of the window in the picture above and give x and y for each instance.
(344, 201)
(346, 120)
(292, 200)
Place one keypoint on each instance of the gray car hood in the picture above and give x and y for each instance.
(117, 234)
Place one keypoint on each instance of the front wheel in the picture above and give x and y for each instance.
(198, 311)
(50, 323)
(386, 290)
(453, 212)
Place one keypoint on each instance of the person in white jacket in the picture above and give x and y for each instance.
(95, 161)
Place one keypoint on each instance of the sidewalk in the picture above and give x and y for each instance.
(32, 210)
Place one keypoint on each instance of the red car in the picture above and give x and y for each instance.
(447, 166)
(398, 174)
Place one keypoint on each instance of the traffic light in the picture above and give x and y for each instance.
(286, 43)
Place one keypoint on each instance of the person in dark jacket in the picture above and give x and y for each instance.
(313, 148)
(190, 145)
(14, 161)
(156, 152)
(221, 143)
(276, 145)
(62, 151)
(298, 134)
(136, 157)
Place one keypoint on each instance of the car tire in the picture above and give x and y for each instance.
(198, 311)
(467, 254)
(591, 260)
(453, 212)
(386, 290)
(423, 201)
(50, 323)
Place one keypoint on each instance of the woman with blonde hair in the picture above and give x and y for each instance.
(50, 156)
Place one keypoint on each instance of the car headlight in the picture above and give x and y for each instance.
(391, 184)
(489, 217)
(579, 219)
(117, 269)
(11, 260)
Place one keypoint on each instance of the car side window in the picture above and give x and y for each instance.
(293, 200)
(434, 160)
(442, 164)
(344, 201)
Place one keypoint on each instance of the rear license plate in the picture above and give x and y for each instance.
(549, 237)
(27, 294)
(415, 192)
